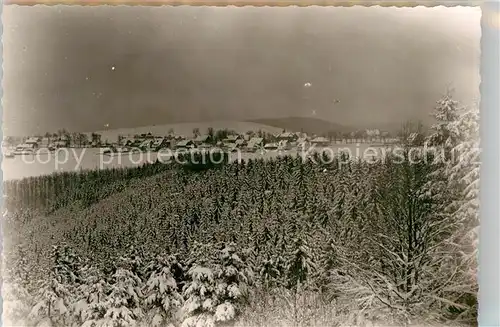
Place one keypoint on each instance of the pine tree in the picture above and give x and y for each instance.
(301, 263)
(270, 273)
(200, 298)
(446, 112)
(460, 179)
(465, 170)
(55, 298)
(94, 302)
(124, 300)
(161, 292)
(233, 278)
(17, 301)
(215, 294)
(300, 267)
(327, 262)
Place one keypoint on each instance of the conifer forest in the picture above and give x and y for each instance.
(278, 242)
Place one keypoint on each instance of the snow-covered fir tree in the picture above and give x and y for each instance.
(446, 112)
(460, 180)
(200, 298)
(161, 292)
(56, 296)
(300, 262)
(233, 276)
(466, 170)
(17, 300)
(327, 263)
(457, 132)
(124, 301)
(93, 303)
(270, 273)
(214, 294)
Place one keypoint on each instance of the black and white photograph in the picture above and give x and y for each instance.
(198, 166)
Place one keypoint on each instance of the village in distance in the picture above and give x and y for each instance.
(258, 137)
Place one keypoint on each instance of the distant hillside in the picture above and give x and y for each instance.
(395, 128)
(311, 125)
(186, 129)
(305, 124)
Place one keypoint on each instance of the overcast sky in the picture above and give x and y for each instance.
(83, 67)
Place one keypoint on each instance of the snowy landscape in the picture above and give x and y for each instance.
(267, 232)
(301, 242)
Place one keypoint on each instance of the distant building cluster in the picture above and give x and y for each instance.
(250, 141)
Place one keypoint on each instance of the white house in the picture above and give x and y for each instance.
(146, 144)
(287, 136)
(34, 141)
(160, 142)
(320, 141)
(232, 138)
(271, 146)
(25, 148)
(45, 142)
(372, 132)
(284, 145)
(185, 144)
(201, 139)
(254, 143)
